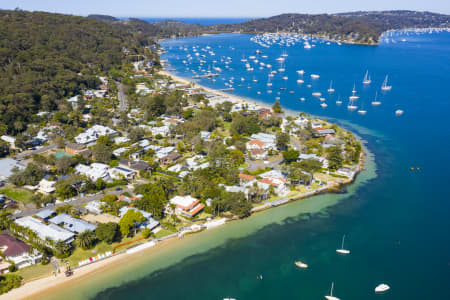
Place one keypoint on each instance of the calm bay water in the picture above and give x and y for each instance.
(397, 222)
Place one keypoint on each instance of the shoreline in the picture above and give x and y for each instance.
(42, 286)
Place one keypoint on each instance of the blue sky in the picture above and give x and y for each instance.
(221, 8)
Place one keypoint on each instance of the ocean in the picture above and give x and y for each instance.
(396, 220)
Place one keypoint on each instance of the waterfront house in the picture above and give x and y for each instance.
(187, 206)
(51, 231)
(18, 252)
(149, 222)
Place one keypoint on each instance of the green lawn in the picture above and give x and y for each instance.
(17, 194)
(163, 232)
(80, 254)
(35, 271)
(244, 166)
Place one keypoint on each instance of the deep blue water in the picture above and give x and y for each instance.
(201, 21)
(397, 226)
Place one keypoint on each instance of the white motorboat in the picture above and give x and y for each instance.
(342, 250)
(302, 99)
(300, 72)
(315, 76)
(301, 265)
(382, 288)
(285, 78)
(324, 105)
(399, 112)
(330, 296)
(317, 94)
(300, 81)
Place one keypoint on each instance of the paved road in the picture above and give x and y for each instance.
(123, 104)
(77, 202)
(25, 154)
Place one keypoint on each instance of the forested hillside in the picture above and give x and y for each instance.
(46, 57)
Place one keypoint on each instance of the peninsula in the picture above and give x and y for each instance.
(105, 154)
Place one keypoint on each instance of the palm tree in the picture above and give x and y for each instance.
(86, 239)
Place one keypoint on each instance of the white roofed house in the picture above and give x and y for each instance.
(205, 135)
(94, 172)
(121, 173)
(323, 160)
(162, 130)
(72, 224)
(46, 186)
(90, 135)
(51, 231)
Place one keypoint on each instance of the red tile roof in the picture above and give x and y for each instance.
(246, 177)
(257, 142)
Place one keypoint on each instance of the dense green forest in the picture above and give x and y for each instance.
(45, 58)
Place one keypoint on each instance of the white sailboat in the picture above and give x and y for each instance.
(342, 250)
(362, 111)
(338, 101)
(330, 296)
(354, 96)
(331, 90)
(381, 288)
(375, 102)
(385, 86)
(366, 79)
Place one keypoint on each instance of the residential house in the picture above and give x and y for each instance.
(170, 158)
(95, 207)
(135, 165)
(205, 135)
(121, 173)
(18, 252)
(94, 172)
(187, 206)
(46, 186)
(72, 224)
(258, 153)
(324, 131)
(74, 149)
(7, 165)
(90, 135)
(149, 222)
(45, 214)
(51, 231)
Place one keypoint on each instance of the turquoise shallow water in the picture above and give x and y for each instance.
(397, 222)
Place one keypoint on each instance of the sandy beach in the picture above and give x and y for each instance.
(36, 289)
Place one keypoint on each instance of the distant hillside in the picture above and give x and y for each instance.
(353, 27)
(104, 18)
(358, 27)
